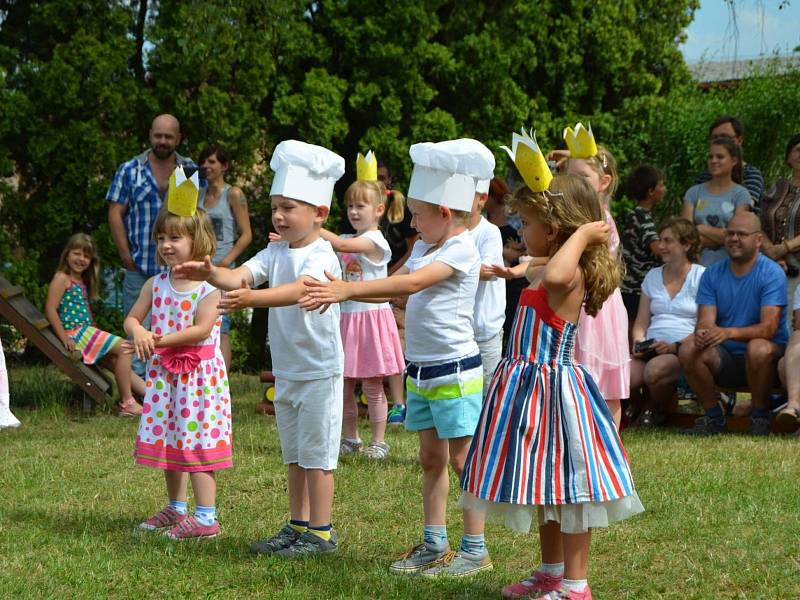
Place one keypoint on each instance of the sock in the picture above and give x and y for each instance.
(760, 413)
(298, 526)
(473, 544)
(574, 585)
(321, 531)
(435, 537)
(715, 414)
(179, 507)
(205, 515)
(551, 569)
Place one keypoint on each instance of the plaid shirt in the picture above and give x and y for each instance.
(135, 186)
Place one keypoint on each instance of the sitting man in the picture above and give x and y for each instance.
(741, 327)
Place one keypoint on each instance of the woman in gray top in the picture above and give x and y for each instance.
(712, 204)
(226, 206)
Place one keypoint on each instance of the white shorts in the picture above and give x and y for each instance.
(491, 352)
(309, 416)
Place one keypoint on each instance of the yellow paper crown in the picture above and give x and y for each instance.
(182, 193)
(580, 142)
(529, 161)
(366, 167)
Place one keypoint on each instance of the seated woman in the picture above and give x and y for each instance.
(780, 218)
(789, 370)
(712, 204)
(667, 315)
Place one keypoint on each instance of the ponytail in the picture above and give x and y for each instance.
(397, 206)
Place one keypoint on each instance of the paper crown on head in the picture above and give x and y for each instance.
(305, 172)
(183, 191)
(529, 160)
(580, 141)
(367, 167)
(449, 173)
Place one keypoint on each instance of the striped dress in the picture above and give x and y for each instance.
(546, 442)
(76, 318)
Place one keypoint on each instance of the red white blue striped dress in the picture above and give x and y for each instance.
(546, 436)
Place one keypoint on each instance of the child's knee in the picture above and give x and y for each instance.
(432, 460)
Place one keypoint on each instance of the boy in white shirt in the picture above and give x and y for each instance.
(490, 301)
(445, 375)
(306, 347)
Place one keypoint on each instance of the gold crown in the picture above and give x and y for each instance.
(182, 193)
(366, 167)
(580, 142)
(529, 161)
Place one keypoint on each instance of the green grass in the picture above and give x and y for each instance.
(722, 517)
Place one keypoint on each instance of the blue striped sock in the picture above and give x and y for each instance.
(473, 544)
(205, 515)
(179, 507)
(435, 537)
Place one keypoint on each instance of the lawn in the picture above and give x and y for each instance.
(722, 516)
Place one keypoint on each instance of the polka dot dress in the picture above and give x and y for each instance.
(186, 418)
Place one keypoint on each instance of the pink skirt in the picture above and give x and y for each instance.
(371, 344)
(601, 345)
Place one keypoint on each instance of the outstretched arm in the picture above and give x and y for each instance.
(282, 295)
(219, 277)
(356, 245)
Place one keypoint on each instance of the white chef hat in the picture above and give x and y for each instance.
(305, 172)
(449, 173)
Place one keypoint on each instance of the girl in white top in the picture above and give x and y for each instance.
(372, 348)
(667, 316)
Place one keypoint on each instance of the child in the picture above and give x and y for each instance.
(601, 344)
(639, 237)
(444, 374)
(490, 301)
(77, 279)
(372, 347)
(307, 357)
(546, 445)
(7, 418)
(185, 427)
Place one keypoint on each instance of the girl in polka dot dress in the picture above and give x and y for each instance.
(67, 308)
(185, 427)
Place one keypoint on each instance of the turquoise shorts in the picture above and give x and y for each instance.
(446, 397)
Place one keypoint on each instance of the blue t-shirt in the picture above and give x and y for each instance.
(739, 299)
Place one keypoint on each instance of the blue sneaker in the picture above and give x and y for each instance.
(397, 414)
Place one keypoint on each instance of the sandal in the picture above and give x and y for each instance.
(129, 408)
(788, 417)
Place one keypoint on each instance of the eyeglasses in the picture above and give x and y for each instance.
(739, 234)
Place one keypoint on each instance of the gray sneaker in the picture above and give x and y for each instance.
(419, 558)
(349, 446)
(760, 426)
(309, 544)
(287, 536)
(705, 426)
(456, 564)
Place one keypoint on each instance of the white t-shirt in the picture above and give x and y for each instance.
(795, 300)
(358, 267)
(671, 319)
(439, 318)
(490, 301)
(304, 345)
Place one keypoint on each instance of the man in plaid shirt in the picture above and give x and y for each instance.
(135, 198)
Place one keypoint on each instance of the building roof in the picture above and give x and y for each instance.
(717, 72)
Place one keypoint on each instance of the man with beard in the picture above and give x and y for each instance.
(741, 328)
(135, 199)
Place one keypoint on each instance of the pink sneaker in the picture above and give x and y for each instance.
(537, 583)
(166, 518)
(571, 595)
(129, 408)
(190, 528)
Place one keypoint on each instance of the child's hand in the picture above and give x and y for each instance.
(596, 232)
(195, 270)
(501, 271)
(487, 273)
(275, 237)
(143, 343)
(329, 292)
(127, 347)
(236, 299)
(560, 157)
(69, 344)
(309, 304)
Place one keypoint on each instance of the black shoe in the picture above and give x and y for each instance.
(760, 426)
(705, 426)
(309, 544)
(287, 536)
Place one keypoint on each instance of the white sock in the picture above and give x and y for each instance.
(552, 569)
(574, 585)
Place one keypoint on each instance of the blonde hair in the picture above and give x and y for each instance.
(569, 203)
(198, 227)
(604, 163)
(393, 201)
(91, 276)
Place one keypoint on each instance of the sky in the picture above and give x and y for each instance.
(763, 28)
